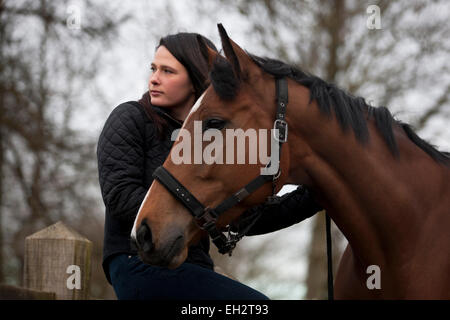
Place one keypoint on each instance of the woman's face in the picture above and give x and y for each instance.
(169, 85)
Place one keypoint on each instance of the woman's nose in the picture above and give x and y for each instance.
(154, 78)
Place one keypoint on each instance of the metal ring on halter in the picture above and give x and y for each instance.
(282, 128)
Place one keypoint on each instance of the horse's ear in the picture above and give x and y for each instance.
(238, 58)
(208, 53)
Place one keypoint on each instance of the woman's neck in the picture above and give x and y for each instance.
(181, 111)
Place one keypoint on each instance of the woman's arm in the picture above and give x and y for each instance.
(120, 155)
(293, 207)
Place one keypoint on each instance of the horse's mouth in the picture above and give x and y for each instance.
(164, 257)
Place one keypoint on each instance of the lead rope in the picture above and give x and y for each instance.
(329, 258)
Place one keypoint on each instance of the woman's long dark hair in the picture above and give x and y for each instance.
(185, 48)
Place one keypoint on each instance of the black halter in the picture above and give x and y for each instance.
(207, 217)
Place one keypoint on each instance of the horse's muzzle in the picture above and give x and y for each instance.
(149, 254)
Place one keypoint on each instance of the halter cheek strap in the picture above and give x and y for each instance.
(205, 217)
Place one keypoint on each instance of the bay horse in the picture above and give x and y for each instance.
(386, 189)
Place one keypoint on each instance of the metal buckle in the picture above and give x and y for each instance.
(241, 194)
(206, 220)
(282, 127)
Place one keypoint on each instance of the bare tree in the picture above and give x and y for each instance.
(49, 51)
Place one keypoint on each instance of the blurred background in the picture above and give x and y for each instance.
(66, 64)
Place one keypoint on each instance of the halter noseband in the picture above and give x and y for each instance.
(206, 217)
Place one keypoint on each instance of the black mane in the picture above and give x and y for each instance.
(351, 112)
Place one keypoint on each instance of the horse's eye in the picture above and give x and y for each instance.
(214, 123)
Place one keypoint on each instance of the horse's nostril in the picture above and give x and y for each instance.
(144, 238)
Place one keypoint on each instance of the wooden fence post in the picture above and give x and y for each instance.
(58, 259)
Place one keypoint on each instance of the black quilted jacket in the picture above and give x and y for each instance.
(128, 152)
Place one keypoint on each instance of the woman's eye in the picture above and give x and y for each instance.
(214, 123)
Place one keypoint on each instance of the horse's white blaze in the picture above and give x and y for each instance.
(133, 231)
(195, 107)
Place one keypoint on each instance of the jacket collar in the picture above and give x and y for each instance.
(162, 112)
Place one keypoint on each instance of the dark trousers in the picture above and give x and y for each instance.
(134, 280)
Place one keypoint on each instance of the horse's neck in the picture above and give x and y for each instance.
(364, 188)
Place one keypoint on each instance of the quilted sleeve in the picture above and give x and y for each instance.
(121, 156)
(293, 207)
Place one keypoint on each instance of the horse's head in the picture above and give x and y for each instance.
(219, 149)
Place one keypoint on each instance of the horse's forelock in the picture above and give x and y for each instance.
(223, 79)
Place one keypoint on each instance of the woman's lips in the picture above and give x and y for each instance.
(155, 93)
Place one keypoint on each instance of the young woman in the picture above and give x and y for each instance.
(136, 140)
